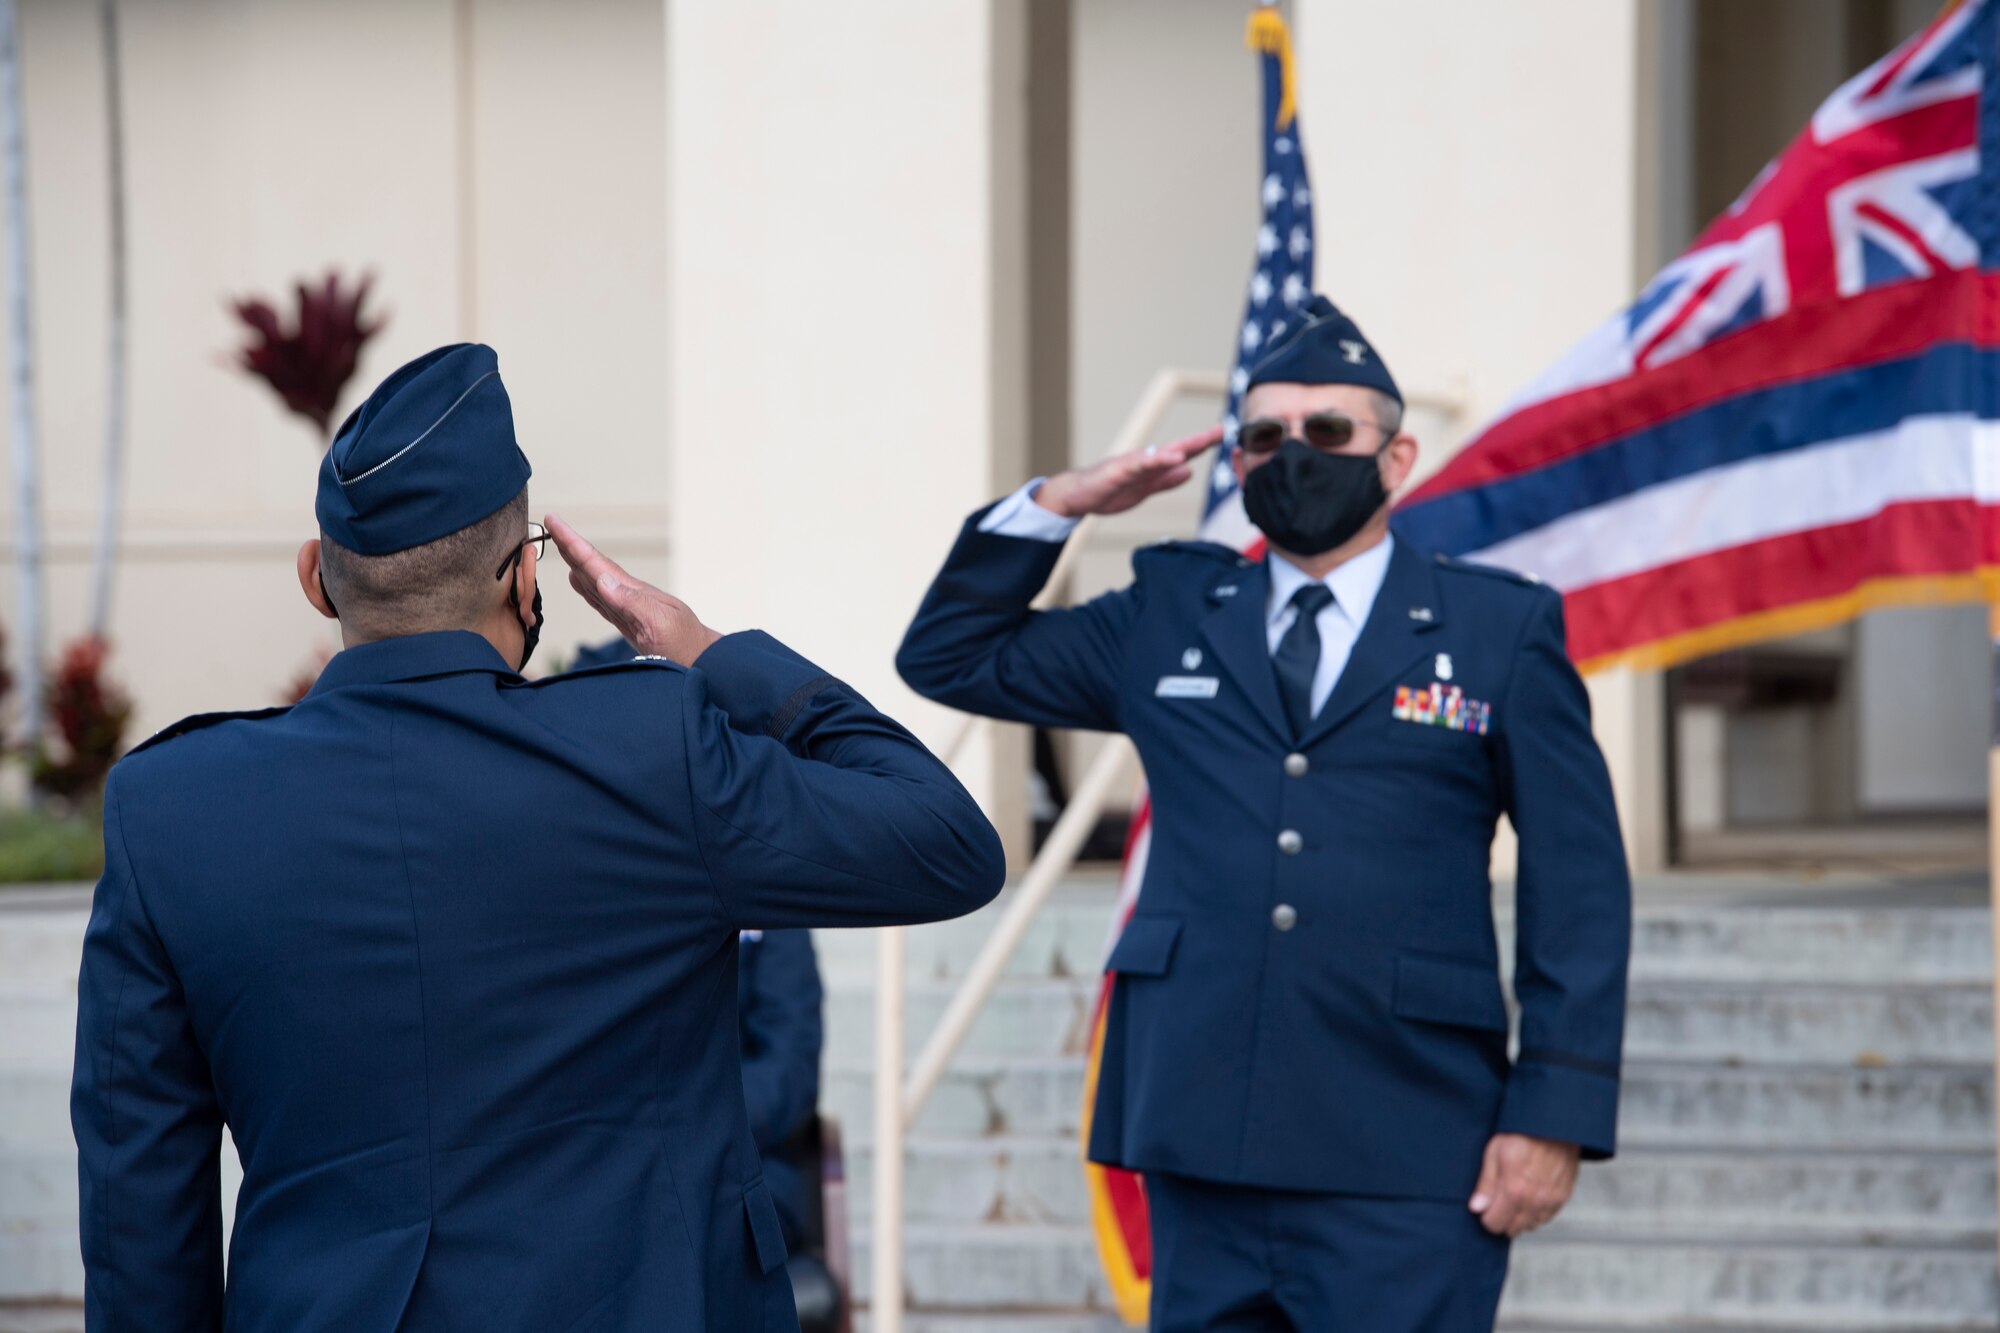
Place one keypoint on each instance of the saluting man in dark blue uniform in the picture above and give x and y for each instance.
(453, 953)
(1307, 1051)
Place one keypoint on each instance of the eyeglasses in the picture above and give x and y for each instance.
(1325, 431)
(537, 537)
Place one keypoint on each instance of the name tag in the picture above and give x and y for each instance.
(1187, 687)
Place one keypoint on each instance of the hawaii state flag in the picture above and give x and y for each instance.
(1799, 418)
(1280, 283)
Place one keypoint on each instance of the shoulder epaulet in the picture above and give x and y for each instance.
(637, 662)
(201, 721)
(1490, 571)
(1213, 551)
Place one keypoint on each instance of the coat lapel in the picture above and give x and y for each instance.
(1405, 611)
(1235, 634)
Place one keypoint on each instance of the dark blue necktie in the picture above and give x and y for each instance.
(1297, 658)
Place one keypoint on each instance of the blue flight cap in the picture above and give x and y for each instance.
(1327, 349)
(430, 452)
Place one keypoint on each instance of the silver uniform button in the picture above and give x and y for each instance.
(1296, 765)
(1284, 916)
(1290, 843)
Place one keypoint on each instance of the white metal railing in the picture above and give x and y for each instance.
(897, 1100)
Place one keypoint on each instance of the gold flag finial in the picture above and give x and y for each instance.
(1267, 33)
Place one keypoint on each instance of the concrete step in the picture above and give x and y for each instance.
(39, 1030)
(1575, 1284)
(1066, 940)
(1845, 1198)
(40, 945)
(1728, 1023)
(37, 1188)
(1663, 1105)
(64, 1317)
(1567, 1283)
(1026, 1016)
(1772, 1024)
(927, 1321)
(40, 1265)
(1719, 942)
(1671, 941)
(1872, 945)
(957, 1321)
(34, 1109)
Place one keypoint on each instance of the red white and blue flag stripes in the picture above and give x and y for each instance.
(1799, 418)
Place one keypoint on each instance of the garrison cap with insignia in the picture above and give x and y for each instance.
(430, 452)
(1327, 349)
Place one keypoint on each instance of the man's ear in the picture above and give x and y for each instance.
(1399, 460)
(524, 586)
(309, 580)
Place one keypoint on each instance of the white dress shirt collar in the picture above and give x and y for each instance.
(1354, 583)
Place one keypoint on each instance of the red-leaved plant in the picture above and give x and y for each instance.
(307, 677)
(6, 687)
(87, 714)
(309, 363)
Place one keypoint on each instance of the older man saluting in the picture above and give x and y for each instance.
(453, 953)
(1307, 1052)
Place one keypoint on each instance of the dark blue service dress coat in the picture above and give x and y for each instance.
(453, 954)
(1308, 996)
(778, 1003)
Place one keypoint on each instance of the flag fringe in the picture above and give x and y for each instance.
(1131, 1291)
(1982, 585)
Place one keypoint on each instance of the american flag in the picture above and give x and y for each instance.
(1795, 421)
(1280, 286)
(1280, 280)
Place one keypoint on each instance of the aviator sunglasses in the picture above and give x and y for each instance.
(1325, 431)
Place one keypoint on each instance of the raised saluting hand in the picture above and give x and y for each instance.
(1123, 480)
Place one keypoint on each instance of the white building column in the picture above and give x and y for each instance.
(846, 283)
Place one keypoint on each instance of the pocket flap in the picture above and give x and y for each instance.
(1145, 947)
(765, 1233)
(1443, 990)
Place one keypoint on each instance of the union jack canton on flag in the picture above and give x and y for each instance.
(1798, 419)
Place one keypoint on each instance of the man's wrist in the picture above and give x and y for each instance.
(705, 641)
(1049, 496)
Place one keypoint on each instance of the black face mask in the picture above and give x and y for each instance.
(530, 634)
(1308, 502)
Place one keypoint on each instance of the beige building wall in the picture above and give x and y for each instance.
(499, 167)
(833, 197)
(848, 347)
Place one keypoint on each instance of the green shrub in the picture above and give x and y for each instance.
(39, 848)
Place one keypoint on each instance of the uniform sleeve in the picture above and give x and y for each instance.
(814, 809)
(782, 1038)
(975, 645)
(1573, 911)
(1019, 516)
(148, 1129)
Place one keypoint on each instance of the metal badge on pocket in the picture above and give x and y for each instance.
(1187, 687)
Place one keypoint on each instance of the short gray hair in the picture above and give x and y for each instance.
(1388, 414)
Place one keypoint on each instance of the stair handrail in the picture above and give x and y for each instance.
(898, 1102)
